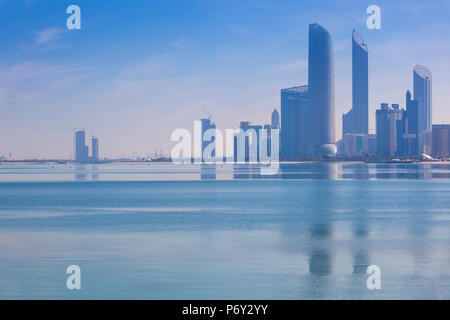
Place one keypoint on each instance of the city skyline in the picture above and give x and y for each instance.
(54, 79)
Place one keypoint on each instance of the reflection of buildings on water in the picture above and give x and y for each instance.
(360, 230)
(358, 171)
(95, 172)
(319, 171)
(320, 262)
(80, 172)
(320, 230)
(208, 172)
(412, 171)
(251, 171)
(320, 256)
(360, 261)
(335, 171)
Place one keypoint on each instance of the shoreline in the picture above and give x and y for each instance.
(63, 162)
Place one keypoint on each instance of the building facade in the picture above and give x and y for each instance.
(441, 141)
(389, 122)
(81, 149)
(422, 79)
(321, 94)
(294, 122)
(206, 125)
(95, 155)
(357, 119)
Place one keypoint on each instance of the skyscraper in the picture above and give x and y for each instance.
(275, 123)
(355, 123)
(423, 94)
(408, 138)
(357, 119)
(206, 125)
(412, 113)
(441, 140)
(382, 117)
(347, 123)
(81, 150)
(250, 141)
(294, 122)
(95, 148)
(395, 118)
(321, 131)
(389, 124)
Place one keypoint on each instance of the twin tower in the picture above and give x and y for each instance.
(308, 112)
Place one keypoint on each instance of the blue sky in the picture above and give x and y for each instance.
(137, 70)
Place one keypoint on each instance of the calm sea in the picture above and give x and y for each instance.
(159, 231)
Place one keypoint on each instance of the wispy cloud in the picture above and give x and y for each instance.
(47, 35)
(28, 80)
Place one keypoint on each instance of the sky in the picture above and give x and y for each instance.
(137, 70)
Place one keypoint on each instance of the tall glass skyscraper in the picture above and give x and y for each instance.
(81, 150)
(294, 122)
(95, 148)
(275, 120)
(422, 93)
(360, 84)
(321, 132)
(357, 119)
(206, 125)
(382, 117)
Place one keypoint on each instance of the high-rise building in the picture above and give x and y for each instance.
(395, 118)
(441, 140)
(275, 124)
(387, 121)
(412, 113)
(354, 144)
(81, 150)
(321, 131)
(382, 118)
(294, 122)
(251, 141)
(357, 119)
(423, 94)
(253, 144)
(95, 148)
(360, 84)
(347, 123)
(401, 128)
(408, 128)
(275, 119)
(206, 125)
(372, 144)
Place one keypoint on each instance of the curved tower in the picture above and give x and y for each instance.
(321, 90)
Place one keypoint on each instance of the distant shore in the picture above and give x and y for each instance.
(69, 162)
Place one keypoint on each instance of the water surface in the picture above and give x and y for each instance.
(159, 231)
